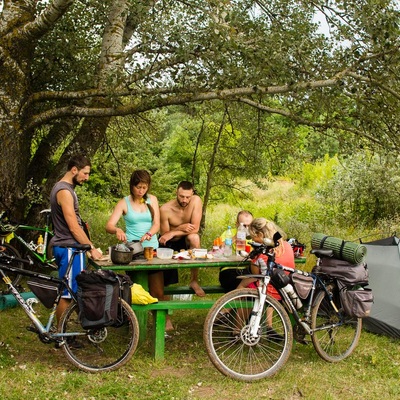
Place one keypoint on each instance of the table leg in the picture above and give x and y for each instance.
(159, 334)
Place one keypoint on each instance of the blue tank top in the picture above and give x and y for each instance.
(137, 224)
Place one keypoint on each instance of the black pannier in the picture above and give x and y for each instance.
(351, 279)
(45, 291)
(302, 284)
(98, 293)
(349, 274)
(356, 301)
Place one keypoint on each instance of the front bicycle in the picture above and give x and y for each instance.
(234, 346)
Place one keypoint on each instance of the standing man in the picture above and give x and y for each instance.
(180, 224)
(68, 225)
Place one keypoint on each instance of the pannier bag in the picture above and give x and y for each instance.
(302, 284)
(356, 301)
(45, 291)
(349, 274)
(98, 293)
(125, 284)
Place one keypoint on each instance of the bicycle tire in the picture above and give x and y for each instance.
(338, 342)
(236, 356)
(15, 277)
(103, 349)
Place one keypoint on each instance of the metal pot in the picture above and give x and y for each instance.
(120, 257)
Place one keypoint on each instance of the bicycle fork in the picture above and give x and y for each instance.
(258, 309)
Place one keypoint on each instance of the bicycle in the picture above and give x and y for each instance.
(38, 255)
(249, 335)
(93, 350)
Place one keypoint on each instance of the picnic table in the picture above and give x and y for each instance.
(138, 270)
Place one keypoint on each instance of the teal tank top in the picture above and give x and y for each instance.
(137, 224)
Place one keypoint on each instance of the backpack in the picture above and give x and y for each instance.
(98, 293)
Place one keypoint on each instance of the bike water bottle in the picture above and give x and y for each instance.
(263, 266)
(228, 243)
(40, 246)
(293, 295)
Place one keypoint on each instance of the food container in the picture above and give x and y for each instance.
(164, 253)
(200, 253)
(120, 256)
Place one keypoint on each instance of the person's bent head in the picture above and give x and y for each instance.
(140, 183)
(244, 217)
(262, 228)
(184, 193)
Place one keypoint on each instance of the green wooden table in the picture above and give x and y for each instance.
(138, 270)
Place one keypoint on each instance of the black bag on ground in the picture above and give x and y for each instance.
(45, 291)
(356, 301)
(98, 293)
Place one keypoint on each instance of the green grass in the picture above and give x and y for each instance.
(31, 369)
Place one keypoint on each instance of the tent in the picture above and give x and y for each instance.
(383, 261)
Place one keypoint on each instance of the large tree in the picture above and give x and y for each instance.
(68, 67)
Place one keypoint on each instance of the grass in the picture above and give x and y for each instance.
(29, 368)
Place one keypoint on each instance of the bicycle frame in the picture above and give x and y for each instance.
(44, 331)
(264, 280)
(32, 247)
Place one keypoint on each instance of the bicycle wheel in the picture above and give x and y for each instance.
(103, 349)
(334, 338)
(15, 278)
(231, 347)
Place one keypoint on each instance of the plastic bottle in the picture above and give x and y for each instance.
(241, 239)
(293, 295)
(228, 243)
(40, 247)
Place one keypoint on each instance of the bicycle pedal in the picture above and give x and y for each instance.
(32, 329)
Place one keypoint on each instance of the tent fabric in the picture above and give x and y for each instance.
(383, 261)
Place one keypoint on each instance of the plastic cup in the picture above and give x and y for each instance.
(148, 253)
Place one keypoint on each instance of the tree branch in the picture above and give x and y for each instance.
(45, 21)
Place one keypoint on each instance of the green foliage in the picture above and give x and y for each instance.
(364, 189)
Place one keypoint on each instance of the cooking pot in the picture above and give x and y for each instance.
(136, 248)
(120, 256)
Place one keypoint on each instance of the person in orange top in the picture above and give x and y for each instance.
(260, 229)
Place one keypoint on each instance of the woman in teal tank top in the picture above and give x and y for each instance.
(140, 211)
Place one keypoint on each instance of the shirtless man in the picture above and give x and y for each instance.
(180, 223)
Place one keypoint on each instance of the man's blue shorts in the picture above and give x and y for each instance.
(62, 256)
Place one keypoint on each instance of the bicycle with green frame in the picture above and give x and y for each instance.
(12, 239)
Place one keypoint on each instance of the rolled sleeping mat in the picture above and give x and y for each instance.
(352, 252)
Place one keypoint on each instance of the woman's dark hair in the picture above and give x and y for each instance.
(141, 176)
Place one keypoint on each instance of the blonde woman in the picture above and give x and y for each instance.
(260, 229)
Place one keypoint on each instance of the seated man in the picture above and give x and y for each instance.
(179, 226)
(180, 223)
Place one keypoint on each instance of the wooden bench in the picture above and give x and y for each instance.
(170, 290)
(161, 310)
